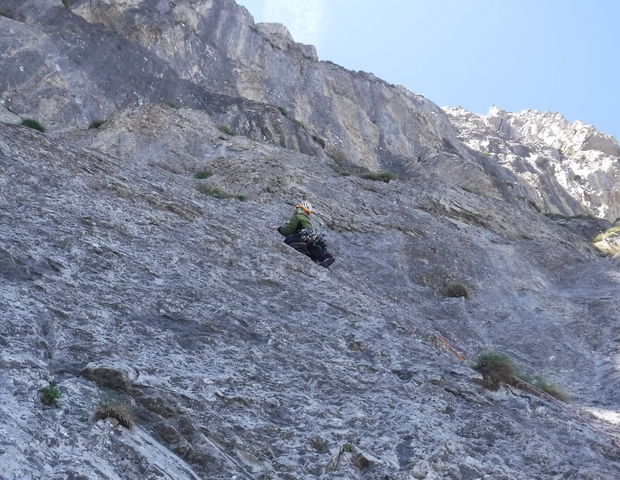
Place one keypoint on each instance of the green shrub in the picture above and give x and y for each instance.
(202, 174)
(66, 4)
(173, 105)
(553, 390)
(96, 123)
(347, 447)
(6, 13)
(119, 411)
(227, 130)
(379, 176)
(32, 123)
(495, 369)
(608, 242)
(283, 111)
(456, 290)
(51, 394)
(217, 193)
(607, 234)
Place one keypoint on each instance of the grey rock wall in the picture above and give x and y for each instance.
(564, 168)
(241, 358)
(125, 279)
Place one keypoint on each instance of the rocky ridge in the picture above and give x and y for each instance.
(240, 358)
(564, 168)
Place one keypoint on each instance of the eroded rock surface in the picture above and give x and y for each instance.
(124, 278)
(567, 169)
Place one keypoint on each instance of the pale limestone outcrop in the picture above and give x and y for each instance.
(565, 168)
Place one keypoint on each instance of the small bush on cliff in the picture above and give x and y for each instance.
(608, 242)
(202, 174)
(51, 394)
(6, 13)
(217, 193)
(96, 123)
(227, 130)
(173, 105)
(455, 290)
(32, 123)
(495, 369)
(379, 176)
(553, 390)
(118, 411)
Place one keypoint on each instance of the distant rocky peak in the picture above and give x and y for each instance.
(552, 129)
(280, 38)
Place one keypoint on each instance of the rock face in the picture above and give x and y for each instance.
(125, 280)
(564, 168)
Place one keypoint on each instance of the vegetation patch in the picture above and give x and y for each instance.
(608, 242)
(217, 193)
(283, 111)
(456, 290)
(610, 232)
(553, 390)
(120, 412)
(202, 174)
(6, 13)
(51, 394)
(173, 105)
(96, 123)
(496, 369)
(227, 130)
(32, 123)
(66, 4)
(379, 176)
(559, 216)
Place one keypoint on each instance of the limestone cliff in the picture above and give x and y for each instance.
(564, 168)
(139, 266)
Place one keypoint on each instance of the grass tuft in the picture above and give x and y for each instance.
(32, 123)
(227, 130)
(116, 410)
(553, 390)
(202, 174)
(96, 123)
(217, 193)
(456, 290)
(51, 394)
(379, 176)
(496, 369)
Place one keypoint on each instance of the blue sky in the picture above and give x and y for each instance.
(556, 55)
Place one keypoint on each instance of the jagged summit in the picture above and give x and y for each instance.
(140, 272)
(578, 166)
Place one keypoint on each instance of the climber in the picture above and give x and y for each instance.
(301, 235)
